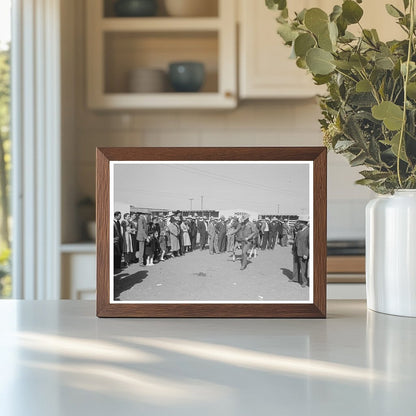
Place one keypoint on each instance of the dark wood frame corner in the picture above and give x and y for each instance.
(317, 309)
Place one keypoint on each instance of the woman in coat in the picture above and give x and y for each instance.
(127, 241)
(186, 241)
(174, 233)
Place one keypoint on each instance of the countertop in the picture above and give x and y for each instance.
(57, 358)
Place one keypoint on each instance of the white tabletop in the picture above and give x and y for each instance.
(57, 358)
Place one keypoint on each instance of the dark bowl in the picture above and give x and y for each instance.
(135, 8)
(186, 76)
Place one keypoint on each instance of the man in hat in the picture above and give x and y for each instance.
(141, 237)
(265, 230)
(193, 231)
(202, 227)
(211, 236)
(273, 233)
(245, 237)
(221, 231)
(118, 241)
(301, 252)
(285, 232)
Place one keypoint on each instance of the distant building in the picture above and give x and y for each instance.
(238, 212)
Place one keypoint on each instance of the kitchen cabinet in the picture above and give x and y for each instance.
(118, 45)
(265, 70)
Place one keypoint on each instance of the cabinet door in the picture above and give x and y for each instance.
(265, 68)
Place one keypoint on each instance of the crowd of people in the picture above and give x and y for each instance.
(141, 238)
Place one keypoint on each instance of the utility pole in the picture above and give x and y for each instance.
(191, 199)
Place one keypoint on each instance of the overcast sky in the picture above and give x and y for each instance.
(254, 187)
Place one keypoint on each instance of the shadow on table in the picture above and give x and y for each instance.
(124, 281)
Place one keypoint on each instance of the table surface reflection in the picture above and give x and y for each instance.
(57, 358)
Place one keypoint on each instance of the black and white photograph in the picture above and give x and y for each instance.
(211, 232)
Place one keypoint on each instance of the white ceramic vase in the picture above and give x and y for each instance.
(391, 253)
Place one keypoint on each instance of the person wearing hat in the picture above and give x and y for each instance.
(273, 233)
(221, 231)
(141, 237)
(301, 252)
(265, 230)
(193, 231)
(245, 236)
(174, 235)
(211, 236)
(202, 227)
(285, 232)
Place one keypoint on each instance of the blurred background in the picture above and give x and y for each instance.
(96, 73)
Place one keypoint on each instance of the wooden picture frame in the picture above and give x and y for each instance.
(108, 159)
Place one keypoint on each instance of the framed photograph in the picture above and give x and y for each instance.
(211, 232)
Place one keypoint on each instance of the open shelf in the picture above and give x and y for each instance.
(126, 51)
(160, 24)
(119, 45)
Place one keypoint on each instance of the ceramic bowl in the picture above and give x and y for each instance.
(186, 76)
(135, 8)
(147, 80)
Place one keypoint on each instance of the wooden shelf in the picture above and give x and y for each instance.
(197, 100)
(346, 264)
(160, 24)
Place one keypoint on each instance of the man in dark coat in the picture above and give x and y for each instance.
(302, 253)
(272, 234)
(265, 231)
(193, 230)
(203, 232)
(221, 231)
(244, 236)
(118, 241)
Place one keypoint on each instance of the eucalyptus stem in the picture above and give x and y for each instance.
(406, 80)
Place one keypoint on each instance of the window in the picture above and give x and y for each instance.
(5, 148)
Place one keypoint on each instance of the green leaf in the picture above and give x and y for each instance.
(411, 90)
(344, 65)
(393, 11)
(319, 61)
(276, 4)
(303, 43)
(287, 33)
(336, 12)
(325, 42)
(384, 62)
(358, 61)
(316, 20)
(388, 112)
(363, 86)
(301, 63)
(347, 37)
(301, 15)
(321, 79)
(351, 11)
(394, 145)
(359, 160)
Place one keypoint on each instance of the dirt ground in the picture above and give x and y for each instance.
(199, 276)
